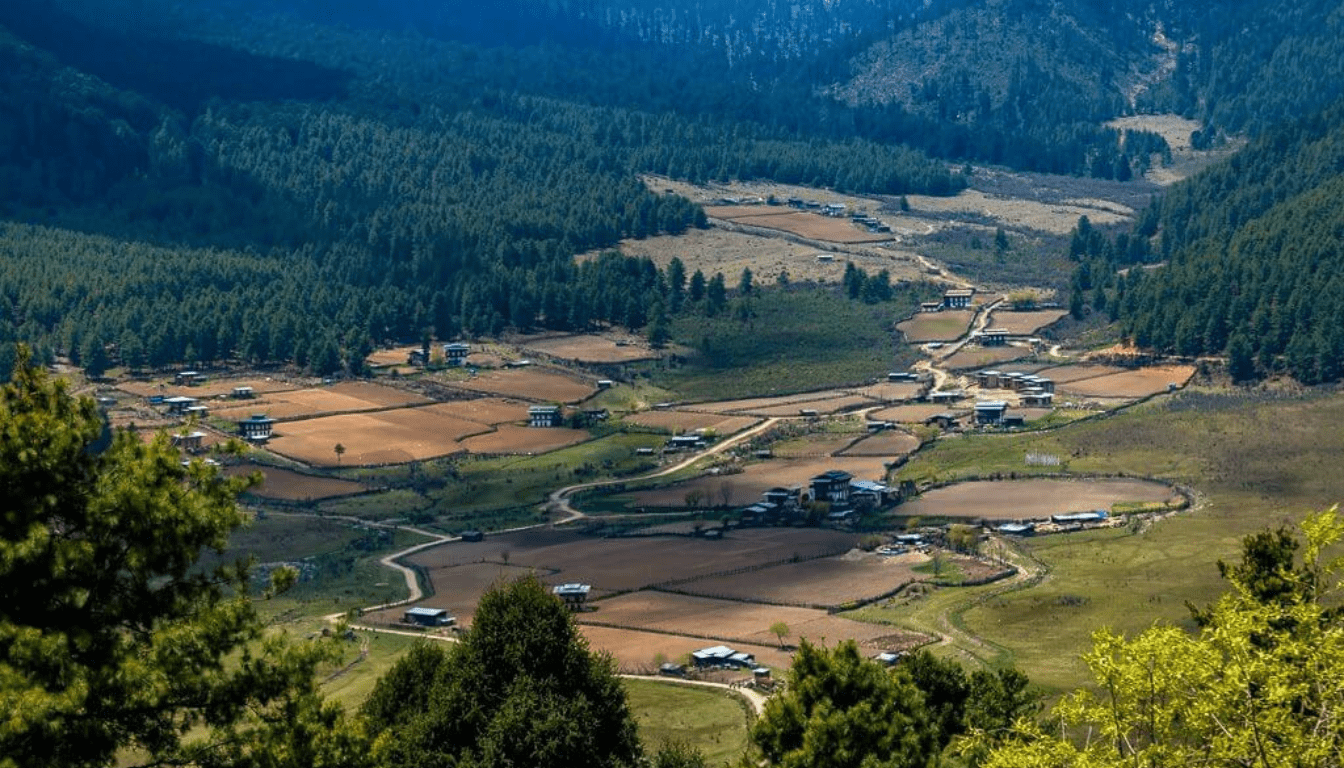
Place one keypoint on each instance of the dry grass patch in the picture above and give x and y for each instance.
(588, 348)
(746, 487)
(886, 443)
(385, 437)
(530, 384)
(936, 326)
(689, 421)
(514, 439)
(1025, 323)
(1138, 383)
(982, 357)
(1032, 499)
(287, 485)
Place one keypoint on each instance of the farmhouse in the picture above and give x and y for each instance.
(188, 378)
(722, 655)
(456, 353)
(191, 443)
(543, 416)
(243, 393)
(472, 536)
(179, 404)
(685, 443)
(844, 516)
(418, 358)
(958, 299)
(1037, 398)
(990, 411)
(988, 379)
(834, 209)
(196, 411)
(605, 383)
(428, 617)
(870, 493)
(256, 429)
(931, 306)
(994, 337)
(942, 420)
(573, 595)
(902, 376)
(947, 397)
(832, 486)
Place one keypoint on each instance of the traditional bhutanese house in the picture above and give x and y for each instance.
(428, 617)
(832, 486)
(1011, 380)
(994, 337)
(942, 420)
(988, 379)
(573, 595)
(179, 404)
(946, 398)
(990, 411)
(243, 393)
(256, 429)
(456, 352)
(1013, 421)
(190, 442)
(188, 378)
(871, 492)
(196, 411)
(846, 516)
(784, 498)
(958, 299)
(1037, 398)
(543, 416)
(1045, 384)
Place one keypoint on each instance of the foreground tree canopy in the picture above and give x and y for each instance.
(1262, 683)
(521, 689)
(113, 646)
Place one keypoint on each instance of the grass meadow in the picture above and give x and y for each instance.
(1256, 460)
(712, 720)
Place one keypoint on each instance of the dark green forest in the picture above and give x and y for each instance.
(301, 181)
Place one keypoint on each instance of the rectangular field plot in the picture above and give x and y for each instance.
(889, 443)
(384, 437)
(622, 564)
(1138, 383)
(948, 325)
(1025, 323)
(1067, 373)
(731, 621)
(529, 384)
(914, 414)
(487, 410)
(758, 404)
(980, 357)
(824, 583)
(893, 392)
(346, 397)
(689, 421)
(518, 440)
(211, 388)
(294, 486)
(747, 486)
(827, 407)
(587, 348)
(1032, 499)
(813, 446)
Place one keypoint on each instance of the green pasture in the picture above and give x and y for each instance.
(711, 720)
(1257, 460)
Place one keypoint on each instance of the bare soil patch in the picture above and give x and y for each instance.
(384, 437)
(1069, 373)
(689, 421)
(825, 407)
(809, 225)
(515, 439)
(346, 397)
(1032, 499)
(824, 583)
(893, 392)
(747, 486)
(211, 388)
(1025, 323)
(936, 326)
(888, 443)
(1139, 383)
(391, 357)
(623, 564)
(913, 414)
(288, 485)
(489, 411)
(588, 348)
(530, 384)
(731, 621)
(980, 357)
(635, 651)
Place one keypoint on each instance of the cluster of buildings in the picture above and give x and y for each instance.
(837, 488)
(454, 355)
(1034, 391)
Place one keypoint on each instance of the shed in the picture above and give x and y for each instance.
(573, 594)
(713, 655)
(179, 404)
(243, 393)
(428, 617)
(472, 536)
